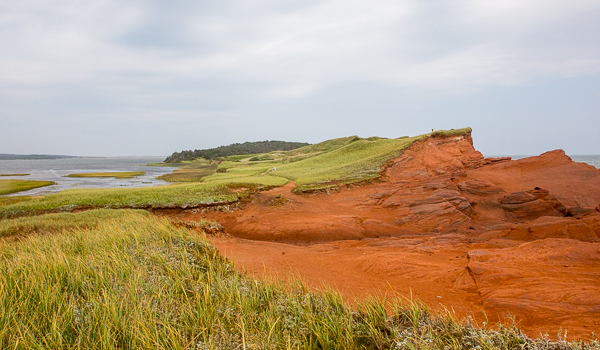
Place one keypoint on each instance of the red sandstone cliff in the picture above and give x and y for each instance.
(445, 223)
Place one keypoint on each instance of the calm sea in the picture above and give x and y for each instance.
(591, 160)
(56, 169)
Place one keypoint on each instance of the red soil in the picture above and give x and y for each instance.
(446, 225)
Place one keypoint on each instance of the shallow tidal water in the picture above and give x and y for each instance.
(56, 169)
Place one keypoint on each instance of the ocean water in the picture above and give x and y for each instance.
(593, 160)
(56, 169)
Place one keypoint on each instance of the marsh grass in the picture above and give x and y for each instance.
(59, 222)
(190, 173)
(133, 281)
(114, 174)
(173, 196)
(220, 191)
(13, 186)
(15, 174)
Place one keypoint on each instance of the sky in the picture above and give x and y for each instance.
(128, 77)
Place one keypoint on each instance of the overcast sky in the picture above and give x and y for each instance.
(119, 77)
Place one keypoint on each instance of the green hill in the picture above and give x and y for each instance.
(332, 162)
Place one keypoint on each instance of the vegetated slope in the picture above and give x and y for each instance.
(234, 149)
(341, 160)
(124, 279)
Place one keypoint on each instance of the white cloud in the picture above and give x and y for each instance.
(225, 58)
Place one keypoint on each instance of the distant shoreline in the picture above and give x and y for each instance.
(37, 156)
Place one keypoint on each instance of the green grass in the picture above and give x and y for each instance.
(325, 146)
(180, 195)
(14, 174)
(358, 160)
(109, 279)
(13, 186)
(239, 157)
(116, 174)
(56, 223)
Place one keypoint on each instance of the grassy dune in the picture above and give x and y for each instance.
(115, 174)
(13, 186)
(109, 279)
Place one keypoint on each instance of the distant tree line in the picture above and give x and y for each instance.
(234, 149)
(4, 156)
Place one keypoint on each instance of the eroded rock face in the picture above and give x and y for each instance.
(530, 205)
(587, 230)
(541, 281)
(481, 188)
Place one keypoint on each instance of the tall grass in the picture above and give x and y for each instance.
(132, 281)
(359, 159)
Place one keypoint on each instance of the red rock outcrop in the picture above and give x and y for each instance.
(445, 223)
